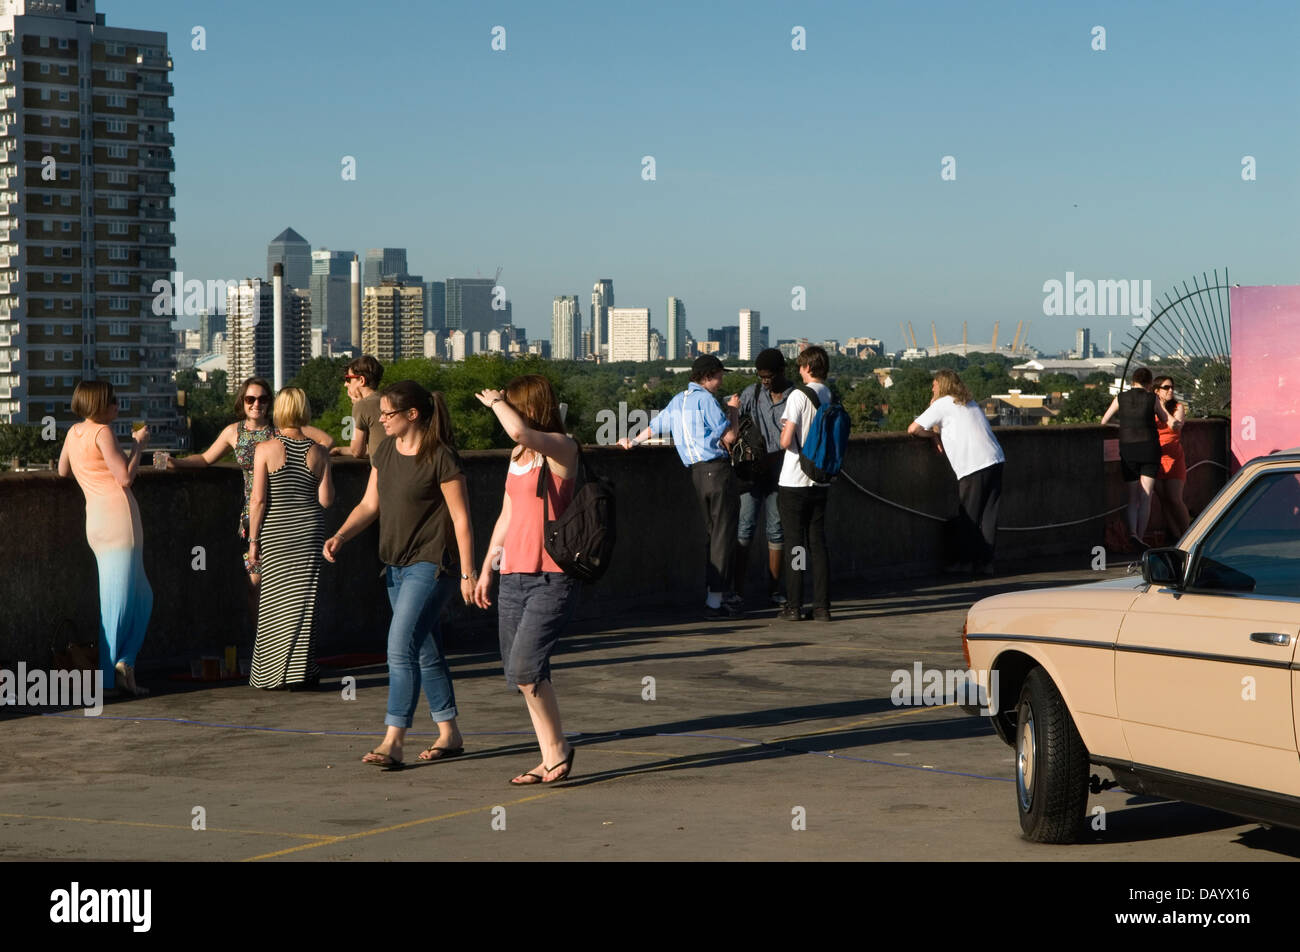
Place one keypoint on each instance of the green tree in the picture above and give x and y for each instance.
(24, 441)
(908, 397)
(322, 380)
(1085, 405)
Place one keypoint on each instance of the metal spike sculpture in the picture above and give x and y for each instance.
(1189, 338)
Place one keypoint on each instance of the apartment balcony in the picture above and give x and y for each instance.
(155, 87)
(5, 339)
(147, 188)
(157, 238)
(160, 164)
(157, 263)
(157, 138)
(158, 112)
(157, 214)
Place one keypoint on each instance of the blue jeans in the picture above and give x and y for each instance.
(749, 503)
(418, 593)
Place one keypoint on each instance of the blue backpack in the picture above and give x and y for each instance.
(822, 452)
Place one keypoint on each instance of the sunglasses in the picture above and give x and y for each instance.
(1166, 387)
(252, 400)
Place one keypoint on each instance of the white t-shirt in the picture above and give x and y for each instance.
(968, 440)
(800, 409)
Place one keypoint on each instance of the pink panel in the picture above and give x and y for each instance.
(1265, 370)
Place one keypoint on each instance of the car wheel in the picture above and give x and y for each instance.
(1051, 764)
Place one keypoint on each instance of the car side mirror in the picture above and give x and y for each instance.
(1165, 566)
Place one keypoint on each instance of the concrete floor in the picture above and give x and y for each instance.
(754, 724)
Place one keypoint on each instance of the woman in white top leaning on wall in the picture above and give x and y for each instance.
(966, 438)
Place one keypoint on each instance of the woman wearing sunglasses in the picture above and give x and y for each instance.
(253, 402)
(1172, 475)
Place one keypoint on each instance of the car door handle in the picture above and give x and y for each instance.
(1271, 638)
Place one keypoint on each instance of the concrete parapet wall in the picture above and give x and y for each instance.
(48, 580)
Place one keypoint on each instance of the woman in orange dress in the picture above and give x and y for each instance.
(1172, 475)
(91, 454)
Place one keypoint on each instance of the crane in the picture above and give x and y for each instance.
(913, 333)
(1024, 343)
(1015, 342)
(995, 337)
(935, 331)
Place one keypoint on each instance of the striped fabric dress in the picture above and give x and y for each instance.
(291, 539)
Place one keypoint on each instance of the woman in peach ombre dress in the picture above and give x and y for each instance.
(91, 454)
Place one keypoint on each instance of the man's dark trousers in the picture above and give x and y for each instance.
(803, 522)
(715, 484)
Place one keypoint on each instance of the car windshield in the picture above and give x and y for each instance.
(1255, 547)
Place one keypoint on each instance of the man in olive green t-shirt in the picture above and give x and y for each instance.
(362, 380)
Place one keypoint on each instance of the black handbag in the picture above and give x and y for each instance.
(581, 540)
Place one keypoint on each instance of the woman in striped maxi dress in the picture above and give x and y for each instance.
(291, 490)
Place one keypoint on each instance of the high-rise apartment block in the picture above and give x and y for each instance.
(629, 333)
(250, 325)
(566, 328)
(294, 252)
(749, 331)
(392, 322)
(602, 299)
(728, 338)
(435, 305)
(381, 261)
(85, 216)
(470, 305)
(330, 285)
(210, 323)
(676, 329)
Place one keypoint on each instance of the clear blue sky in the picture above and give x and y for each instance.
(775, 168)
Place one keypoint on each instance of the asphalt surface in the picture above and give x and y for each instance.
(764, 741)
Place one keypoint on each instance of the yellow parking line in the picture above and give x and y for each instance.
(161, 826)
(397, 826)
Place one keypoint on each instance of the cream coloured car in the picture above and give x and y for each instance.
(1182, 683)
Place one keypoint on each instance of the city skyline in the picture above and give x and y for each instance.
(1067, 158)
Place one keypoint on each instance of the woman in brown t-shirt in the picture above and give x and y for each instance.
(417, 491)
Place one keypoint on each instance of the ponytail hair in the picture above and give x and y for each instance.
(431, 415)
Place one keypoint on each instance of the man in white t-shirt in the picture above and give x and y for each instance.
(976, 458)
(802, 502)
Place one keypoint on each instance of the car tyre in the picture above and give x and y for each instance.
(1051, 764)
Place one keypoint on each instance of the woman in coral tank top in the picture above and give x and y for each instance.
(91, 454)
(536, 599)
